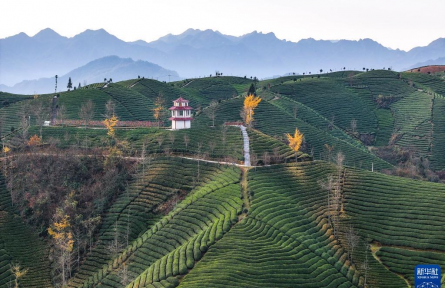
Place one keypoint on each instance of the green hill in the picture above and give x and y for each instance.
(193, 215)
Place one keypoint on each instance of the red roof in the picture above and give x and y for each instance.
(180, 108)
(180, 118)
(181, 100)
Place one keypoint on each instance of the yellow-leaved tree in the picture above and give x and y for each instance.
(6, 149)
(250, 103)
(295, 141)
(110, 123)
(60, 231)
(34, 141)
(18, 273)
(159, 110)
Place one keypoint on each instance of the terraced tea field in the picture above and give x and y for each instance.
(331, 100)
(170, 245)
(390, 213)
(193, 215)
(20, 244)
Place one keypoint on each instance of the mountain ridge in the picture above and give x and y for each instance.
(195, 53)
(93, 72)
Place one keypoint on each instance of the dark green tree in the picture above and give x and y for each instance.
(70, 84)
(252, 90)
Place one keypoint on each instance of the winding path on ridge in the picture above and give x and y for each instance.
(246, 144)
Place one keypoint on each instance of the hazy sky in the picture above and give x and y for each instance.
(394, 23)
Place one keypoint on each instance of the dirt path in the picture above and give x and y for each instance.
(187, 84)
(374, 249)
(244, 183)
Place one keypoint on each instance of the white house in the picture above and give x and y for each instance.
(181, 114)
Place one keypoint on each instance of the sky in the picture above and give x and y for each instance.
(393, 23)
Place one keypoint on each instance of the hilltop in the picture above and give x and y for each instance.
(180, 208)
(428, 69)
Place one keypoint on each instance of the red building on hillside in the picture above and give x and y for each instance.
(181, 114)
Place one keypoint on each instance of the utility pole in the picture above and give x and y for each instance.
(169, 77)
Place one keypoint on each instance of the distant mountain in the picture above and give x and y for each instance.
(197, 52)
(47, 53)
(107, 67)
(201, 52)
(434, 50)
(438, 61)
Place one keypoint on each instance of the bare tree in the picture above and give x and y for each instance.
(335, 207)
(333, 189)
(212, 146)
(365, 265)
(328, 185)
(124, 276)
(199, 148)
(128, 230)
(253, 159)
(335, 202)
(295, 110)
(86, 112)
(2, 124)
(24, 125)
(352, 239)
(276, 155)
(40, 112)
(329, 152)
(110, 108)
(266, 158)
(186, 141)
(61, 114)
(78, 235)
(144, 144)
(224, 137)
(86, 142)
(353, 125)
(331, 123)
(115, 246)
(160, 140)
(171, 137)
(91, 225)
(211, 110)
(339, 159)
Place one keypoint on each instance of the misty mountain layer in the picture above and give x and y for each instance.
(113, 67)
(197, 53)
